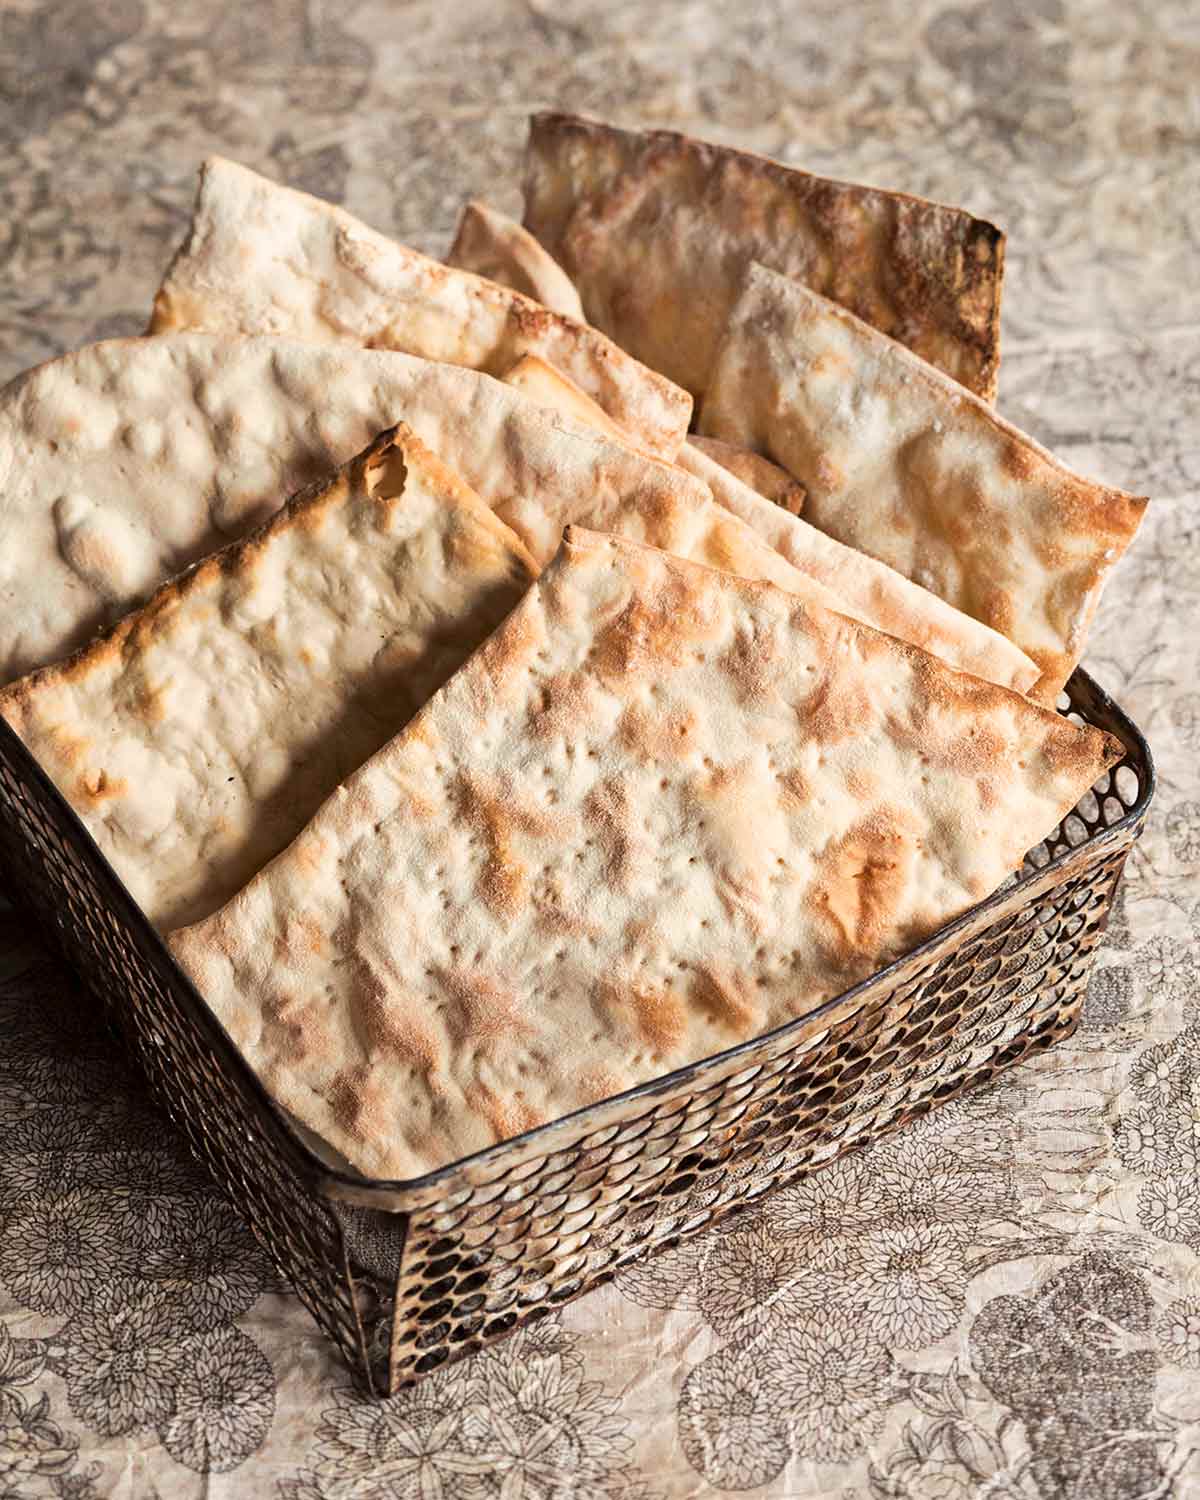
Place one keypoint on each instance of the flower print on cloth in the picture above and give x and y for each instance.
(400, 1447)
(819, 1289)
(123, 1361)
(909, 1283)
(44, 1151)
(1178, 1332)
(518, 1420)
(749, 1279)
(1110, 997)
(202, 1263)
(1170, 1208)
(730, 1427)
(1169, 967)
(1157, 1137)
(831, 1383)
(108, 1226)
(1076, 1364)
(1162, 1075)
(841, 1200)
(1145, 1140)
(224, 1401)
(1185, 719)
(1017, 73)
(1183, 832)
(54, 1253)
(923, 1182)
(37, 1458)
(959, 1446)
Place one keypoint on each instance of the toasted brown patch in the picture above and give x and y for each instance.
(838, 708)
(728, 998)
(98, 786)
(657, 1017)
(648, 635)
(652, 736)
(1019, 460)
(861, 882)
(794, 787)
(483, 1011)
(608, 813)
(754, 660)
(488, 805)
(505, 1117)
(560, 704)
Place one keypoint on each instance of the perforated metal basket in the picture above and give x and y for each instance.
(407, 1275)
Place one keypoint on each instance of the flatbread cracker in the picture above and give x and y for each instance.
(659, 812)
(125, 462)
(905, 465)
(265, 259)
(868, 590)
(198, 737)
(655, 231)
(490, 244)
(817, 566)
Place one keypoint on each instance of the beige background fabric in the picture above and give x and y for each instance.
(1003, 1302)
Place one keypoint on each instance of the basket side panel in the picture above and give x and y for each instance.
(55, 874)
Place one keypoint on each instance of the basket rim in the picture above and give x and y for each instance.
(350, 1184)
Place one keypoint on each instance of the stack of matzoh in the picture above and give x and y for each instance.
(509, 680)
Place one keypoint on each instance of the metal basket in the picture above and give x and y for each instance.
(405, 1276)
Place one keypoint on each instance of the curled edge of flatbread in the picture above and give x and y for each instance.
(262, 258)
(490, 244)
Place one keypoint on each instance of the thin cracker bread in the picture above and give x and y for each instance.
(197, 738)
(125, 462)
(489, 243)
(905, 465)
(868, 590)
(659, 812)
(655, 230)
(816, 566)
(265, 259)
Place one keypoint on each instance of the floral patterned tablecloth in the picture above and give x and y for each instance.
(1004, 1301)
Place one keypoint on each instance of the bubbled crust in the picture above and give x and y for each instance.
(197, 737)
(655, 230)
(658, 812)
(265, 259)
(906, 466)
(126, 461)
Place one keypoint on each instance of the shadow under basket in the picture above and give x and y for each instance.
(405, 1276)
